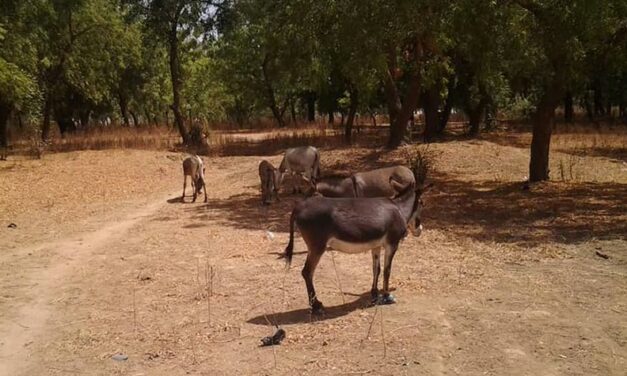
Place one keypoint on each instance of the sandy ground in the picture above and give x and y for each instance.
(106, 260)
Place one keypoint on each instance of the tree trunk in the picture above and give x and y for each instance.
(352, 110)
(123, 102)
(541, 139)
(400, 113)
(568, 108)
(431, 103)
(63, 116)
(177, 83)
(83, 117)
(45, 126)
(276, 112)
(311, 106)
(599, 108)
(331, 118)
(490, 115)
(474, 120)
(445, 115)
(588, 105)
(5, 111)
(474, 116)
(374, 119)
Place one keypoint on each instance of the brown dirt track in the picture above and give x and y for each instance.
(502, 281)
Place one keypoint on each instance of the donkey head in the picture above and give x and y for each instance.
(200, 182)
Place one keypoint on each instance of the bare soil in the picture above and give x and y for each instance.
(105, 259)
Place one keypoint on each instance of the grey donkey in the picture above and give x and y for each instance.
(195, 169)
(270, 182)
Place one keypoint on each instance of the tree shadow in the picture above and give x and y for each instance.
(347, 162)
(303, 315)
(548, 212)
(245, 211)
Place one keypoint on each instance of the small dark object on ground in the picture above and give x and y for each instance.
(12, 225)
(275, 339)
(120, 357)
(386, 299)
(602, 255)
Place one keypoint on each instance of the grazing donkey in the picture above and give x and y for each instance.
(355, 225)
(304, 161)
(194, 168)
(269, 177)
(375, 183)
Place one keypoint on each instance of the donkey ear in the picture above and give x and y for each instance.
(396, 185)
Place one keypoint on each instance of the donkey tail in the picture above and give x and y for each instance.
(289, 250)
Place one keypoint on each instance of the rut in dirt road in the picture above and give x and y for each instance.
(28, 323)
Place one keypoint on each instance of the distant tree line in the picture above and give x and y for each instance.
(73, 63)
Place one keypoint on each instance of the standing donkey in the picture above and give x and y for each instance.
(303, 161)
(269, 177)
(355, 225)
(195, 169)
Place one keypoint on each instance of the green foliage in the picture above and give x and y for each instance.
(245, 59)
(17, 88)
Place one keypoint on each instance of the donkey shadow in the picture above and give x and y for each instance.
(303, 315)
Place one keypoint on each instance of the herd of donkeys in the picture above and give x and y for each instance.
(368, 211)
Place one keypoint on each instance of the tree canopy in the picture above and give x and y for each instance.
(76, 64)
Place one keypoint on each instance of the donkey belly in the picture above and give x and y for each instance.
(348, 247)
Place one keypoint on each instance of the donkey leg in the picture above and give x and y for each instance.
(184, 186)
(204, 187)
(313, 257)
(194, 189)
(376, 270)
(390, 251)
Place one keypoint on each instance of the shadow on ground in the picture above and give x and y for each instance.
(300, 316)
(549, 212)
(245, 211)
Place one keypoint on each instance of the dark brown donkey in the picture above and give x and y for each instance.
(355, 225)
(374, 183)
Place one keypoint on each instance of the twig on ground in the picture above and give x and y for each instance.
(376, 310)
(134, 311)
(385, 348)
(209, 273)
(337, 277)
(402, 327)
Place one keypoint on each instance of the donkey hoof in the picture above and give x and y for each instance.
(317, 309)
(386, 299)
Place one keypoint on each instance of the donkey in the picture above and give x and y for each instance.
(355, 225)
(269, 177)
(195, 169)
(304, 161)
(375, 183)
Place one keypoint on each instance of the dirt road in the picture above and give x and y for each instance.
(191, 288)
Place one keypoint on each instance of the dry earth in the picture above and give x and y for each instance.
(106, 260)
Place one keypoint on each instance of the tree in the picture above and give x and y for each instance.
(558, 36)
(18, 90)
(265, 55)
(180, 24)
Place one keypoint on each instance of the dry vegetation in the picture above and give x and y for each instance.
(502, 281)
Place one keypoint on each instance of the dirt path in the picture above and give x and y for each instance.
(29, 321)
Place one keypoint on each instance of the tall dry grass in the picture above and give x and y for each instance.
(216, 142)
